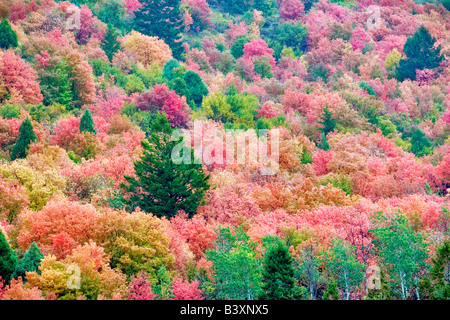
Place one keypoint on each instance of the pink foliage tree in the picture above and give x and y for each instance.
(162, 99)
(291, 10)
(184, 290)
(19, 79)
(141, 288)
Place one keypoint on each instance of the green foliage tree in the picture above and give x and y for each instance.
(420, 54)
(438, 284)
(383, 293)
(8, 37)
(169, 67)
(237, 269)
(86, 123)
(9, 111)
(446, 4)
(402, 252)
(332, 291)
(180, 87)
(196, 86)
(343, 265)
(420, 145)
(8, 259)
(165, 185)
(288, 35)
(308, 270)
(55, 84)
(26, 136)
(29, 263)
(163, 286)
(111, 42)
(278, 275)
(113, 12)
(327, 121)
(162, 19)
(237, 48)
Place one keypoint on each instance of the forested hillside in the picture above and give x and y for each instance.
(117, 180)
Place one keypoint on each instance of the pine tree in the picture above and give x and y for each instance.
(420, 54)
(278, 275)
(196, 87)
(420, 145)
(324, 145)
(111, 42)
(30, 262)
(162, 19)
(86, 123)
(8, 259)
(327, 121)
(26, 136)
(164, 186)
(8, 37)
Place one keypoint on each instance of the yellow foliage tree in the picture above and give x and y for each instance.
(135, 242)
(147, 49)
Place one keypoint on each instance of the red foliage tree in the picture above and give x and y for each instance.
(18, 79)
(141, 288)
(184, 290)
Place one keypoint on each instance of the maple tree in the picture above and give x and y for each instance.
(148, 49)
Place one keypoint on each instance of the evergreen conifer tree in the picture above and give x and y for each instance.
(111, 42)
(162, 19)
(420, 54)
(30, 262)
(26, 136)
(163, 187)
(86, 123)
(420, 145)
(278, 275)
(8, 37)
(8, 259)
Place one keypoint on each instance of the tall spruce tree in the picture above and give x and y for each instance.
(111, 42)
(278, 276)
(86, 123)
(420, 54)
(26, 136)
(164, 186)
(30, 262)
(8, 37)
(163, 19)
(8, 259)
